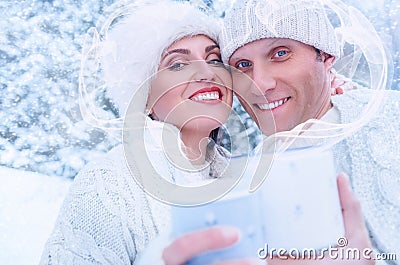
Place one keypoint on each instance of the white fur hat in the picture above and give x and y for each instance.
(301, 20)
(132, 49)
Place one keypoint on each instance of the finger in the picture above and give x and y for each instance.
(339, 90)
(336, 81)
(351, 209)
(194, 243)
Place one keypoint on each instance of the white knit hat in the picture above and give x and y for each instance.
(301, 20)
(131, 51)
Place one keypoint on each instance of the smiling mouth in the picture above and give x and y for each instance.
(272, 105)
(207, 94)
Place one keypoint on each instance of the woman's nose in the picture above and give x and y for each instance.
(203, 71)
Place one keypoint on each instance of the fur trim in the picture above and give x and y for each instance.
(132, 49)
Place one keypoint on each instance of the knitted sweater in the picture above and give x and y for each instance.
(371, 157)
(106, 217)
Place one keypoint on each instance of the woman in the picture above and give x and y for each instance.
(164, 53)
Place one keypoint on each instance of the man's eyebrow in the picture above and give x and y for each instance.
(181, 51)
(210, 48)
(275, 41)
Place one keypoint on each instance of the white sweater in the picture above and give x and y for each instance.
(371, 157)
(107, 218)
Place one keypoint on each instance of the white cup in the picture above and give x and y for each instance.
(239, 208)
(301, 202)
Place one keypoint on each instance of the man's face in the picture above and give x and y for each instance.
(289, 82)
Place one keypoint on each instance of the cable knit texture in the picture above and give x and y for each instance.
(301, 20)
(371, 158)
(106, 217)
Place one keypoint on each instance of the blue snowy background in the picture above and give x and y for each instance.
(43, 140)
(41, 129)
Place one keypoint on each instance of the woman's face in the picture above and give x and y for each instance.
(192, 88)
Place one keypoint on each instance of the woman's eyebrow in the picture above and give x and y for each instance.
(181, 51)
(210, 48)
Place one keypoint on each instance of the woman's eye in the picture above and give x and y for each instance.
(176, 66)
(243, 64)
(216, 62)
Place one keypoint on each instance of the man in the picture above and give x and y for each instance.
(288, 49)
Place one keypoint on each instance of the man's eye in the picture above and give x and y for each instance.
(244, 64)
(176, 66)
(280, 53)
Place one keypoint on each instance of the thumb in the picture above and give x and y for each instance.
(197, 242)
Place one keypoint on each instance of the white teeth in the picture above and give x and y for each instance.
(206, 96)
(272, 105)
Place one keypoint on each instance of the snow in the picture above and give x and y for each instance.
(29, 204)
(41, 128)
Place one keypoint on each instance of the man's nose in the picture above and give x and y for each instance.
(263, 79)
